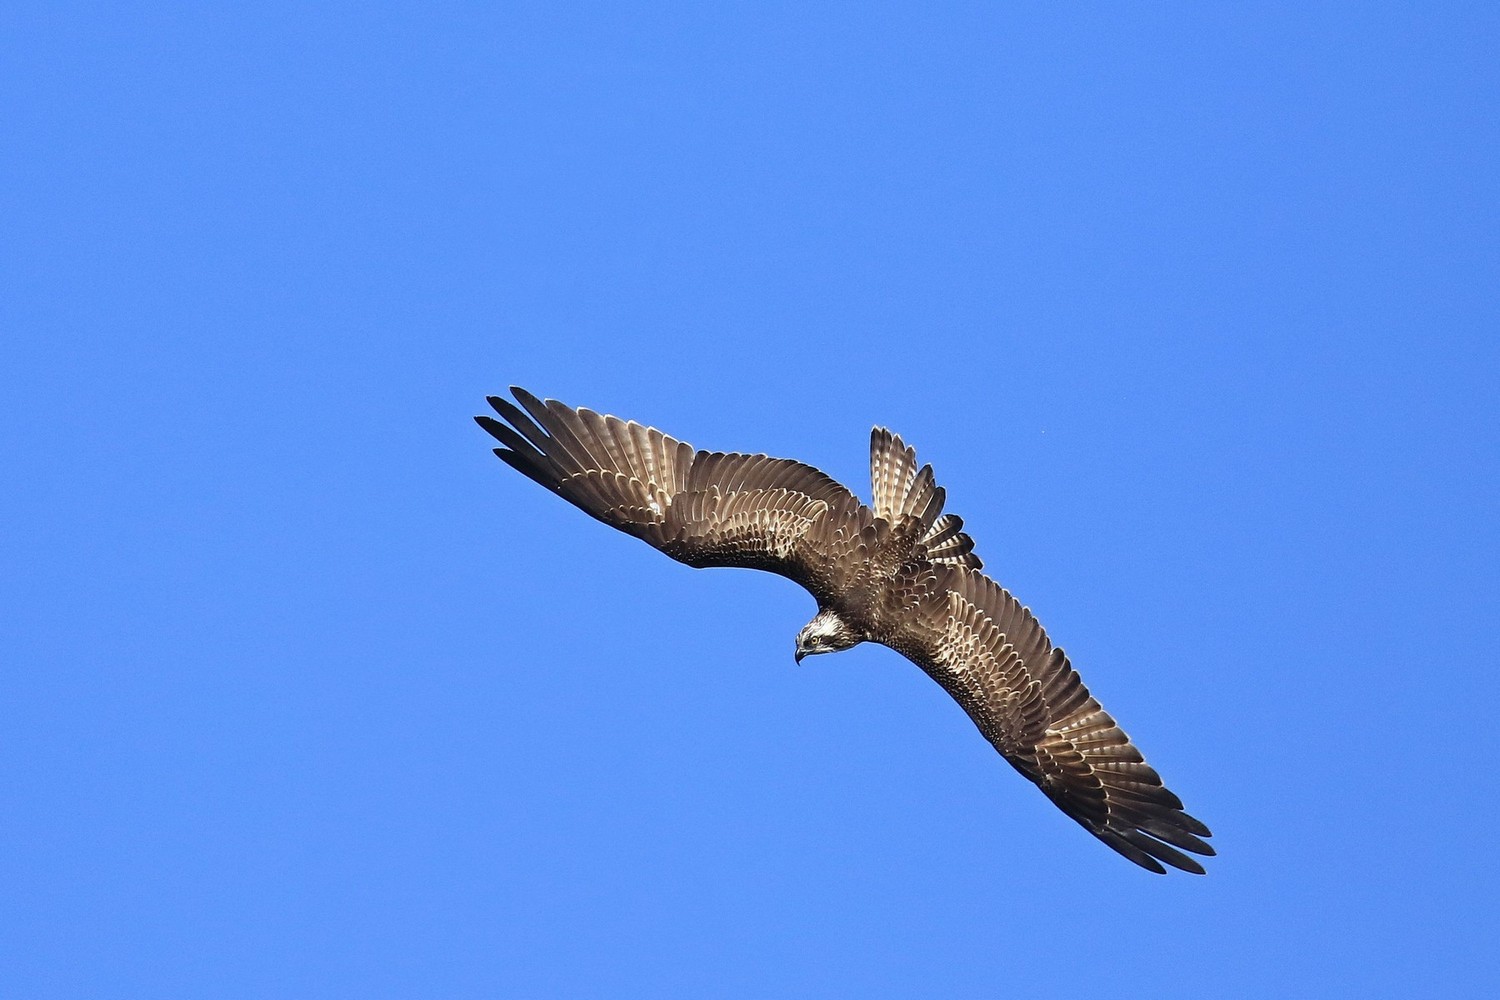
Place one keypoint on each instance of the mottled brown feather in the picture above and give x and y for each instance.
(701, 508)
(992, 655)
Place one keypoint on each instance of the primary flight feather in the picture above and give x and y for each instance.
(898, 572)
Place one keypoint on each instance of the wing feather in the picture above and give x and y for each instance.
(520, 422)
(508, 436)
(701, 508)
(990, 653)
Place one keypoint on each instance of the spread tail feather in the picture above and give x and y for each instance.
(902, 490)
(946, 542)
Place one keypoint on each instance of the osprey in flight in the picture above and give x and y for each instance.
(899, 572)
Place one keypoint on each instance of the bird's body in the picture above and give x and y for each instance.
(897, 572)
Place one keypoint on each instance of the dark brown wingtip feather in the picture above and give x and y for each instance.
(512, 440)
(492, 427)
(1163, 853)
(534, 406)
(527, 468)
(1171, 833)
(1192, 825)
(1145, 850)
(521, 422)
(1130, 852)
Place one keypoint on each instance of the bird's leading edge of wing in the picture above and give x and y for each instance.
(702, 508)
(992, 655)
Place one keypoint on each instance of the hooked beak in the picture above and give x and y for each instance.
(798, 655)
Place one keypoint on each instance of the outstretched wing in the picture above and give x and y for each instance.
(701, 508)
(993, 657)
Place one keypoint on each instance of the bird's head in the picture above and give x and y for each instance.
(826, 633)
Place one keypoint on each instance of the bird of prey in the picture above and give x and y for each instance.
(898, 572)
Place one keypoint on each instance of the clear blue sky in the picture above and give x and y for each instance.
(307, 695)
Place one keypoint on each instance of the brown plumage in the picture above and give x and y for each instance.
(899, 572)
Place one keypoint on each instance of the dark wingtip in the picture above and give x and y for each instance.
(526, 468)
(526, 399)
(1165, 853)
(1193, 825)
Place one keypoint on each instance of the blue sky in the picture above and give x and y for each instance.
(307, 695)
